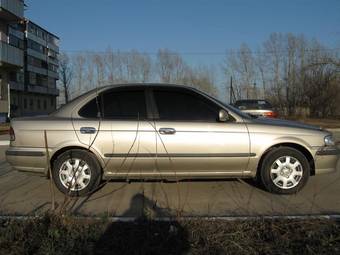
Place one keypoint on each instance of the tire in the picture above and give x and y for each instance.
(289, 177)
(78, 168)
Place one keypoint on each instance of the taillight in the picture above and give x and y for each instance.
(271, 114)
(11, 134)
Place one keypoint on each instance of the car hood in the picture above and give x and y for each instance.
(285, 123)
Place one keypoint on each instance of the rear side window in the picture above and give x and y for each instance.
(115, 104)
(181, 105)
(126, 104)
(91, 109)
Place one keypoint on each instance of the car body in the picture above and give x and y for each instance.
(157, 131)
(256, 107)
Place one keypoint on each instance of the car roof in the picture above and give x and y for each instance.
(136, 84)
(65, 110)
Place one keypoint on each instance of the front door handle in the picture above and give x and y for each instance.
(87, 130)
(167, 131)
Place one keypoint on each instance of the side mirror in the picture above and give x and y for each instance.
(223, 116)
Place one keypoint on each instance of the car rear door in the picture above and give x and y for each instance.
(190, 139)
(126, 139)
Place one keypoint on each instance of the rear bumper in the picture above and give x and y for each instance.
(27, 159)
(326, 160)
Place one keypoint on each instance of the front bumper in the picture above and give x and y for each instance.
(326, 160)
(27, 159)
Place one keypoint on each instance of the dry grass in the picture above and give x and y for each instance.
(63, 235)
(325, 123)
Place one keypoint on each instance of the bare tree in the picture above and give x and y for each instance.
(66, 74)
(170, 66)
(99, 64)
(202, 78)
(89, 72)
(79, 68)
(139, 66)
(241, 65)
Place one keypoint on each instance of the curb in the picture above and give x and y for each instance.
(4, 143)
(190, 218)
(333, 129)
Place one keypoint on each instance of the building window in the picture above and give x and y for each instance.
(15, 41)
(52, 53)
(36, 62)
(53, 40)
(42, 80)
(37, 31)
(32, 78)
(53, 68)
(13, 76)
(20, 77)
(31, 28)
(31, 103)
(45, 104)
(25, 103)
(38, 104)
(52, 83)
(52, 102)
(36, 46)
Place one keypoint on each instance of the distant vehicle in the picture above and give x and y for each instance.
(166, 132)
(256, 108)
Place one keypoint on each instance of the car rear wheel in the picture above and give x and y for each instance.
(76, 173)
(284, 170)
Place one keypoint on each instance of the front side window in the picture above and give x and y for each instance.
(115, 104)
(181, 105)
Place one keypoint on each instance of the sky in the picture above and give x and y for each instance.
(199, 29)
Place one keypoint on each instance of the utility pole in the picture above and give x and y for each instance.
(254, 91)
(231, 90)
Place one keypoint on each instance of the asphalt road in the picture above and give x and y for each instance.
(24, 194)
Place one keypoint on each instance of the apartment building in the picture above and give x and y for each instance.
(11, 51)
(29, 87)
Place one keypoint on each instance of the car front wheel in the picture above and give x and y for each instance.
(76, 173)
(284, 170)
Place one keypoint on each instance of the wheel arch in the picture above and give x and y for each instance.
(60, 151)
(296, 146)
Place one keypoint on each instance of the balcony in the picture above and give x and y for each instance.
(36, 54)
(53, 91)
(10, 55)
(16, 86)
(42, 90)
(35, 69)
(52, 74)
(12, 9)
(37, 89)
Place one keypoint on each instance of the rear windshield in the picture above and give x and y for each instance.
(253, 105)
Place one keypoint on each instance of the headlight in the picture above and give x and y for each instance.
(329, 140)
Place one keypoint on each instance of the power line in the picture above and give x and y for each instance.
(202, 53)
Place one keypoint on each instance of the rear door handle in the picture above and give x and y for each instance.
(87, 130)
(167, 131)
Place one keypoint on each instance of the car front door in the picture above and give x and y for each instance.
(191, 141)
